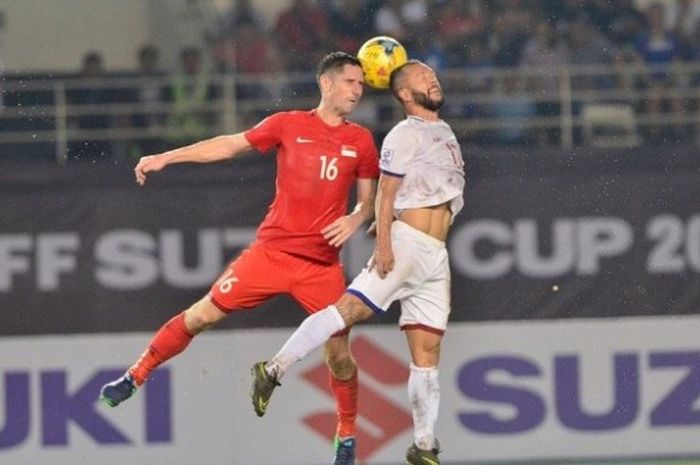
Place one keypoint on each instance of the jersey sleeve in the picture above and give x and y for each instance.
(398, 148)
(267, 133)
(369, 162)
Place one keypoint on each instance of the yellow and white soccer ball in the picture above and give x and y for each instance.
(379, 57)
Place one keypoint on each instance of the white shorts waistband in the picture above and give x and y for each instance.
(427, 239)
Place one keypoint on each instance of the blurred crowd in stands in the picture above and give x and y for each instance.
(474, 39)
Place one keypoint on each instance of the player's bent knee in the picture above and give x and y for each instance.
(202, 316)
(353, 309)
(338, 356)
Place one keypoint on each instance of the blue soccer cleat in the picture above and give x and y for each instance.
(344, 451)
(118, 391)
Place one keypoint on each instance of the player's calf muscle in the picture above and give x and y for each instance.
(341, 365)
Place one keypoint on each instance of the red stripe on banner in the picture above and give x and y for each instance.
(388, 418)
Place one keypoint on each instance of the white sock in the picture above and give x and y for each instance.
(424, 397)
(313, 331)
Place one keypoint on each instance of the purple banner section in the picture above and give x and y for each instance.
(545, 234)
(60, 408)
(674, 409)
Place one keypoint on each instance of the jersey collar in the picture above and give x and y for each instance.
(314, 114)
(418, 118)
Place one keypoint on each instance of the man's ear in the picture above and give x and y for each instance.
(324, 82)
(405, 95)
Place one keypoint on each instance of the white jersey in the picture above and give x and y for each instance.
(428, 158)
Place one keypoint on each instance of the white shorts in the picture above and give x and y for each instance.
(420, 280)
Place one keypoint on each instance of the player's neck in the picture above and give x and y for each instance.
(328, 116)
(422, 113)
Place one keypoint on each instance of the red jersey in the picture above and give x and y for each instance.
(317, 166)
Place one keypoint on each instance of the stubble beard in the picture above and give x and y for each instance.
(424, 100)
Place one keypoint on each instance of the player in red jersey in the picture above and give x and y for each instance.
(320, 156)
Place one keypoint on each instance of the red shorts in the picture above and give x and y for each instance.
(260, 273)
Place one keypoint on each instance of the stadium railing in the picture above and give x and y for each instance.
(49, 116)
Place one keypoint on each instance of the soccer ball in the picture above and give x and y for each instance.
(379, 57)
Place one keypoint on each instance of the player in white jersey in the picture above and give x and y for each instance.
(420, 192)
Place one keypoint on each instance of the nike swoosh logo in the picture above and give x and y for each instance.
(302, 140)
(262, 404)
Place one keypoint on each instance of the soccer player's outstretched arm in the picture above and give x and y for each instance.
(206, 151)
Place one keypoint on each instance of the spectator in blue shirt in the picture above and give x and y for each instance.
(658, 50)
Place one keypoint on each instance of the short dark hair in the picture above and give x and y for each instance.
(335, 61)
(397, 74)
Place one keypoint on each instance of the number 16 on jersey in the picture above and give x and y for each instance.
(329, 168)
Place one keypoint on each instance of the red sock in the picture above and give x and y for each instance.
(171, 339)
(346, 403)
